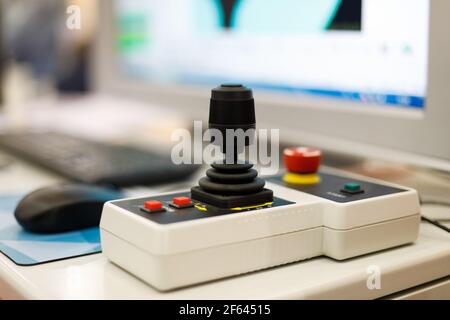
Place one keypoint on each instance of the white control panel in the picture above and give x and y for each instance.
(172, 241)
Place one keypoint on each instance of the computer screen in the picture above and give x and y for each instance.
(374, 52)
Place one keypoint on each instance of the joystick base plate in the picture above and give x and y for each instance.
(232, 201)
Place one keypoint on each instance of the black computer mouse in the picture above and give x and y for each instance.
(63, 207)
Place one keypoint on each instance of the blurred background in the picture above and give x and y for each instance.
(48, 74)
(37, 46)
(48, 105)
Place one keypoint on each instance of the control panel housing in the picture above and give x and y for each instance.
(184, 242)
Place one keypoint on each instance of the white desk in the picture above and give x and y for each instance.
(93, 277)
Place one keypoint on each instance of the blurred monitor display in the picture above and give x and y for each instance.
(369, 51)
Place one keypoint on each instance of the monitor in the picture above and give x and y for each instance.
(359, 76)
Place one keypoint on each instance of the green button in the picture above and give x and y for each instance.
(352, 186)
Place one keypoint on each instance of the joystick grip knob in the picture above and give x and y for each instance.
(303, 160)
(232, 107)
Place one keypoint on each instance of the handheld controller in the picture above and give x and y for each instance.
(234, 222)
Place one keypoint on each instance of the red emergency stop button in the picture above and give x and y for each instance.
(303, 160)
(153, 205)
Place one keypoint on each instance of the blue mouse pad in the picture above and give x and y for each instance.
(26, 249)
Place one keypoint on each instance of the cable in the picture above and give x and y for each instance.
(435, 222)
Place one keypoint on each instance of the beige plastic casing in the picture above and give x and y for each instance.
(185, 253)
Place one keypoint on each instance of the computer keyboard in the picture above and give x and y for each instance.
(93, 162)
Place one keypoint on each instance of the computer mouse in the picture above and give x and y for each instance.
(63, 207)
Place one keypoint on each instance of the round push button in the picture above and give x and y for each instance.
(352, 187)
(302, 160)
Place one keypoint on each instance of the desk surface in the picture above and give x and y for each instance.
(93, 277)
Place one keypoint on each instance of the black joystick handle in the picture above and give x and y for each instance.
(232, 107)
(232, 183)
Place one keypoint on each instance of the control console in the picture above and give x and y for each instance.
(234, 222)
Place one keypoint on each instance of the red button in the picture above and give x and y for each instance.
(181, 201)
(153, 205)
(302, 159)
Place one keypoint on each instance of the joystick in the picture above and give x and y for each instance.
(232, 182)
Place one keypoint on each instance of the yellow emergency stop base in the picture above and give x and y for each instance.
(295, 178)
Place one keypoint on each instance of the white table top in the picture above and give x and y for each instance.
(93, 277)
